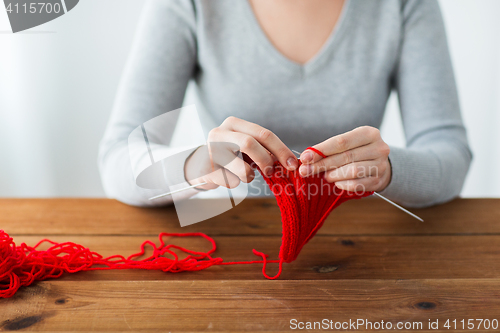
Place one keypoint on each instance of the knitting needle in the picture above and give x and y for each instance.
(296, 152)
(398, 206)
(176, 191)
(384, 198)
(187, 188)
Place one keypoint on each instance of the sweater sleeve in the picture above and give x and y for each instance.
(433, 166)
(160, 65)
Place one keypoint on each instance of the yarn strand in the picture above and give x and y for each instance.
(22, 265)
(302, 215)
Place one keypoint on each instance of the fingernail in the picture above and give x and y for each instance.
(269, 171)
(305, 170)
(307, 157)
(292, 163)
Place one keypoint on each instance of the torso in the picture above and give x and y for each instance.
(305, 95)
(297, 28)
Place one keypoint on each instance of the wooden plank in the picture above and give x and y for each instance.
(324, 257)
(239, 306)
(252, 217)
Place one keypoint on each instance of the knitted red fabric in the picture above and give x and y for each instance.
(304, 202)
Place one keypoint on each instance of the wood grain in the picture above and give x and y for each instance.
(369, 261)
(368, 216)
(217, 306)
(324, 257)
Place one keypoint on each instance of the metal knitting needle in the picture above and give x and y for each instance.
(296, 152)
(389, 201)
(186, 188)
(176, 191)
(398, 206)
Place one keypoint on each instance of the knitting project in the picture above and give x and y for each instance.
(304, 202)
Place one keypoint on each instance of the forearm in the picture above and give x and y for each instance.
(160, 65)
(119, 181)
(433, 166)
(425, 176)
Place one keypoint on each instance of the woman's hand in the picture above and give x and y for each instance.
(356, 160)
(234, 135)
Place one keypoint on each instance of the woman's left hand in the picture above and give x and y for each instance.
(356, 160)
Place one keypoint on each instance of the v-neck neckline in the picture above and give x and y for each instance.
(294, 67)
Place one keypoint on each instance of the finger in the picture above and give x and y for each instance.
(357, 137)
(360, 186)
(364, 153)
(266, 138)
(241, 170)
(247, 145)
(357, 170)
(222, 177)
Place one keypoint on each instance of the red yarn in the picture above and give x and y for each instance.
(316, 151)
(302, 213)
(305, 203)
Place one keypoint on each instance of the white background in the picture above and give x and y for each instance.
(58, 81)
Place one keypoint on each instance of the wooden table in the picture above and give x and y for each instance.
(369, 261)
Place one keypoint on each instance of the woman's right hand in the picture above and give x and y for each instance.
(233, 135)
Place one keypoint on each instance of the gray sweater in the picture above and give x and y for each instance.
(377, 46)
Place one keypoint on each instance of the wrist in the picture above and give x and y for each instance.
(387, 176)
(195, 168)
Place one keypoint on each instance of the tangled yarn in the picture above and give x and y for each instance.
(304, 202)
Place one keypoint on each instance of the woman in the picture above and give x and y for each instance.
(287, 74)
